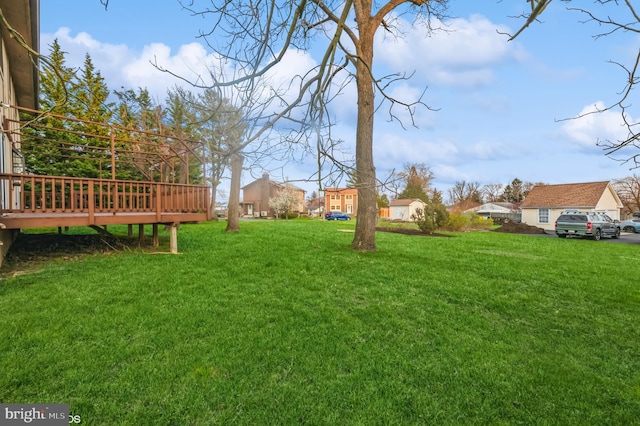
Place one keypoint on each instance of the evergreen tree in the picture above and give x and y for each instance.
(383, 200)
(89, 102)
(45, 145)
(418, 179)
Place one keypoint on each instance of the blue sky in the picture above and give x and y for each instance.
(500, 104)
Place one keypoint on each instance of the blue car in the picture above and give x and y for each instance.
(337, 216)
(631, 225)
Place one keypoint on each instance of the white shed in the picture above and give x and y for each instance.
(404, 208)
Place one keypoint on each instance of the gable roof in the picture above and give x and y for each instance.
(584, 195)
(278, 185)
(405, 202)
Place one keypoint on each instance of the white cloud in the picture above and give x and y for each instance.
(191, 62)
(462, 55)
(392, 150)
(593, 126)
(124, 68)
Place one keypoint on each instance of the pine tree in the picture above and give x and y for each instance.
(90, 102)
(45, 145)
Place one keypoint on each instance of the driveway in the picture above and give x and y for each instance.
(625, 238)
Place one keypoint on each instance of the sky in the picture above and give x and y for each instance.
(499, 109)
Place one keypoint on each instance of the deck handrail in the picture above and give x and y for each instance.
(64, 194)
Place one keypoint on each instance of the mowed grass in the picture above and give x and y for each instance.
(283, 324)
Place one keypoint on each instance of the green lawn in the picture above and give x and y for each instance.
(283, 323)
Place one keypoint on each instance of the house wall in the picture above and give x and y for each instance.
(608, 204)
(299, 204)
(7, 95)
(530, 216)
(260, 191)
(341, 200)
(257, 192)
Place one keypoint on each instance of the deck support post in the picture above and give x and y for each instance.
(130, 230)
(141, 233)
(173, 239)
(155, 235)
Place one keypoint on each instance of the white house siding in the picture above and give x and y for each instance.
(7, 95)
(608, 204)
(531, 217)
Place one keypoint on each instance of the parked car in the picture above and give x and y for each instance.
(631, 225)
(337, 216)
(586, 224)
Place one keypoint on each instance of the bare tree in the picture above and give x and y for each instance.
(492, 192)
(628, 189)
(256, 36)
(465, 191)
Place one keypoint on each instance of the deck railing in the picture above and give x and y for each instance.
(59, 194)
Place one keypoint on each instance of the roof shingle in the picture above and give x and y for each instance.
(585, 195)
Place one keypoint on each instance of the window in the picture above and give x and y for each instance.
(335, 197)
(543, 215)
(349, 197)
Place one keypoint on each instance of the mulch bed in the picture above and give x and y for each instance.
(519, 228)
(510, 227)
(406, 231)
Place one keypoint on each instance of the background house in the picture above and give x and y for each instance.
(404, 208)
(315, 206)
(18, 86)
(341, 200)
(545, 203)
(497, 210)
(256, 195)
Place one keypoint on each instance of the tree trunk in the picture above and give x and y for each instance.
(212, 207)
(233, 221)
(365, 235)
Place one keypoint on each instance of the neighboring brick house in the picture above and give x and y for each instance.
(404, 208)
(341, 200)
(545, 203)
(256, 195)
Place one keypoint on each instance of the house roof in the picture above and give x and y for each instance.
(566, 195)
(405, 202)
(495, 207)
(24, 17)
(274, 183)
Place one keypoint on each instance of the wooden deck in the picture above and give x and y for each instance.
(160, 164)
(55, 201)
